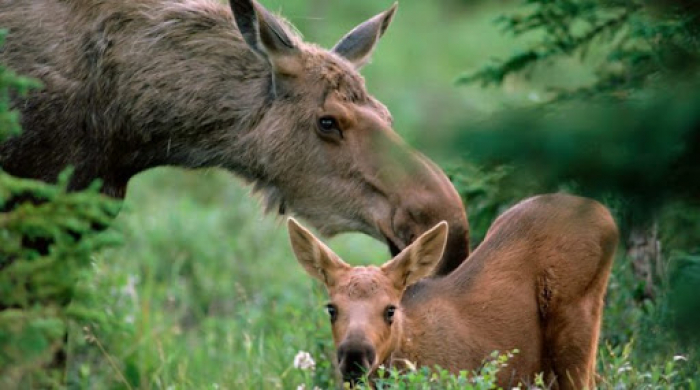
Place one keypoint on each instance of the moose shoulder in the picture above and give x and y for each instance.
(535, 284)
(135, 84)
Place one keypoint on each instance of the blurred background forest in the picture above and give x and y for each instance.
(198, 289)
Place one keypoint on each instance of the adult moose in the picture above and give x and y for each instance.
(134, 84)
(536, 283)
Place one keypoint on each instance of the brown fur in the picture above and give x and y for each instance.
(134, 84)
(535, 284)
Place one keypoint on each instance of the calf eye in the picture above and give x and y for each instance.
(389, 314)
(332, 311)
(329, 128)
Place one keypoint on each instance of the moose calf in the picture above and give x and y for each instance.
(535, 284)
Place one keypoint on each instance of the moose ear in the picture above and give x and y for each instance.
(266, 35)
(358, 44)
(317, 259)
(418, 259)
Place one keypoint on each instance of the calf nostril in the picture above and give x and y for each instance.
(355, 360)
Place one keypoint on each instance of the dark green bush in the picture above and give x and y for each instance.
(47, 237)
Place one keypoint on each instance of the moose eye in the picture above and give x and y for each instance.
(328, 127)
(332, 311)
(389, 313)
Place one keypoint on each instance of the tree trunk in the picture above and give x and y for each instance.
(644, 251)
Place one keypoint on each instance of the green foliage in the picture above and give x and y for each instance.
(10, 83)
(602, 148)
(684, 282)
(489, 192)
(47, 238)
(607, 138)
(426, 378)
(619, 372)
(633, 42)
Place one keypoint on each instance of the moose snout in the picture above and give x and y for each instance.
(422, 208)
(355, 359)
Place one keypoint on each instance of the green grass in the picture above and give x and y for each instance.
(205, 290)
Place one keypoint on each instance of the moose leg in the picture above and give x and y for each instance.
(571, 340)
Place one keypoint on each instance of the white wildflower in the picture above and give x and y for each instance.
(303, 387)
(679, 357)
(625, 367)
(129, 319)
(534, 96)
(304, 361)
(129, 289)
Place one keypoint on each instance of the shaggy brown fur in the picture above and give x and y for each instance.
(135, 84)
(535, 284)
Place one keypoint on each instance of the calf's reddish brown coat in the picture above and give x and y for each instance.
(535, 284)
(134, 84)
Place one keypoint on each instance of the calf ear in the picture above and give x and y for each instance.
(317, 259)
(358, 44)
(267, 36)
(418, 259)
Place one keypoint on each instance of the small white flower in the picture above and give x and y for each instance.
(304, 361)
(625, 367)
(679, 357)
(303, 387)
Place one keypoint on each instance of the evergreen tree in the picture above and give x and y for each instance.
(46, 242)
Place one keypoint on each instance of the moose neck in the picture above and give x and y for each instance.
(190, 135)
(195, 99)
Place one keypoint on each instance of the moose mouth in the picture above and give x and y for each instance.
(393, 248)
(387, 230)
(358, 375)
